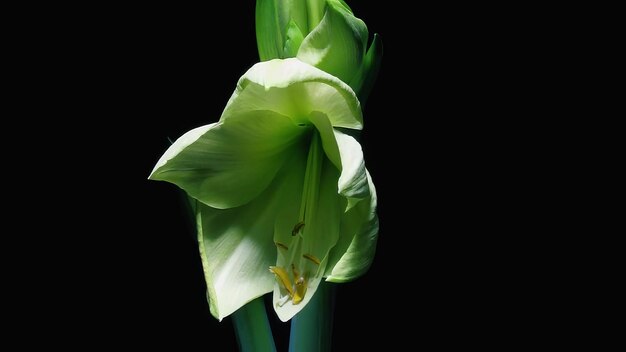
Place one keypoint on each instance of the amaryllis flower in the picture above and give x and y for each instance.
(282, 196)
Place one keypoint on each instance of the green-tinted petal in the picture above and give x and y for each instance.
(318, 237)
(354, 252)
(296, 10)
(234, 260)
(293, 40)
(315, 12)
(287, 216)
(327, 134)
(281, 25)
(337, 45)
(227, 164)
(269, 33)
(181, 144)
(322, 231)
(363, 81)
(293, 88)
(353, 183)
(346, 154)
(236, 244)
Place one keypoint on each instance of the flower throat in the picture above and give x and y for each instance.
(303, 264)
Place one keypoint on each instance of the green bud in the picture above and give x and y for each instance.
(322, 33)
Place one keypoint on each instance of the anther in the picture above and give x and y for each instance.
(312, 258)
(299, 226)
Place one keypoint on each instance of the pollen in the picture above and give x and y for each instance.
(294, 285)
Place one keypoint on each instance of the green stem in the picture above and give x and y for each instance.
(311, 329)
(253, 328)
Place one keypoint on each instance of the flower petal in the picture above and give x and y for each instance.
(268, 29)
(236, 244)
(179, 145)
(354, 252)
(326, 131)
(228, 164)
(280, 27)
(363, 82)
(293, 39)
(346, 154)
(353, 182)
(315, 12)
(293, 88)
(337, 45)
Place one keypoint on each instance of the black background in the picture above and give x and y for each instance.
(123, 80)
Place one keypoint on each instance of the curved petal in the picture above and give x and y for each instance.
(354, 252)
(326, 131)
(227, 164)
(236, 244)
(363, 81)
(322, 229)
(179, 145)
(353, 182)
(346, 154)
(293, 88)
(337, 45)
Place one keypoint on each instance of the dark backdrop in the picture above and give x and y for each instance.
(141, 75)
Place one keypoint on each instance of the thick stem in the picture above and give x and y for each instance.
(311, 329)
(253, 328)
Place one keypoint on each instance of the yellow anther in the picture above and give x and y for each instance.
(296, 290)
(300, 290)
(283, 278)
(312, 258)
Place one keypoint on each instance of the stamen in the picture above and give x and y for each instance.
(281, 245)
(299, 226)
(281, 302)
(293, 286)
(312, 258)
(300, 290)
(283, 278)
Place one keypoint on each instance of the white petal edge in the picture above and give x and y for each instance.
(360, 229)
(181, 143)
(295, 89)
(353, 182)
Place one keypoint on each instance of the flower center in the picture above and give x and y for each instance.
(302, 264)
